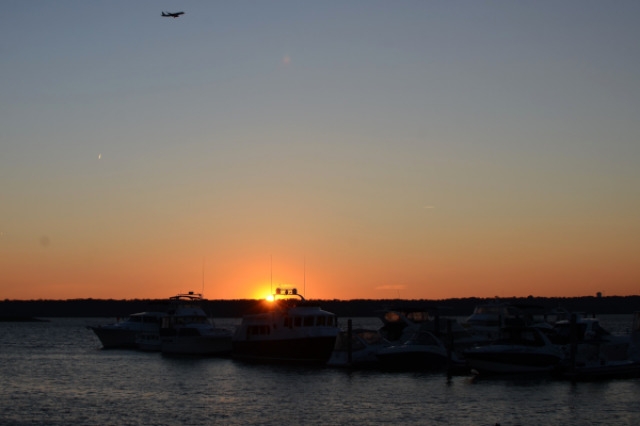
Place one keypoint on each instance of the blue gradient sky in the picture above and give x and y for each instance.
(360, 149)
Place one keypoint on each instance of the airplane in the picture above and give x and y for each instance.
(172, 15)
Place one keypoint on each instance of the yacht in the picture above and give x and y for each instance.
(519, 349)
(286, 332)
(186, 329)
(123, 334)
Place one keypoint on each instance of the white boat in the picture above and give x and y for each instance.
(423, 351)
(186, 329)
(519, 350)
(488, 318)
(286, 332)
(399, 324)
(123, 334)
(594, 353)
(588, 329)
(357, 348)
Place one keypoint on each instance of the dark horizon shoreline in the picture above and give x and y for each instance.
(235, 308)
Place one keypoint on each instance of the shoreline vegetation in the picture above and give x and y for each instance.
(32, 310)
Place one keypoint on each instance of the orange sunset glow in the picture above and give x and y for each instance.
(408, 153)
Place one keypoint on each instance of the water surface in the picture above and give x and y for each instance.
(54, 373)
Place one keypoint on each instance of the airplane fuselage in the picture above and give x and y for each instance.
(172, 15)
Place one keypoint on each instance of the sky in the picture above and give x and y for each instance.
(350, 149)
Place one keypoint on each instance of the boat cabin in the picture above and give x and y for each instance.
(295, 318)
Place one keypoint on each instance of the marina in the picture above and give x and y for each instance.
(497, 339)
(56, 373)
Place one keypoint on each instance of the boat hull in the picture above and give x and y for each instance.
(116, 338)
(315, 349)
(149, 342)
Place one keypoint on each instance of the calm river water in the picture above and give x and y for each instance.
(54, 373)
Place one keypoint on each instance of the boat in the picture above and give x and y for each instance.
(399, 324)
(290, 330)
(357, 348)
(186, 329)
(520, 349)
(423, 351)
(488, 318)
(596, 354)
(123, 334)
(588, 329)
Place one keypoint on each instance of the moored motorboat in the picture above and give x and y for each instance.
(589, 330)
(123, 334)
(357, 348)
(186, 329)
(488, 318)
(423, 351)
(286, 332)
(399, 324)
(518, 350)
(596, 354)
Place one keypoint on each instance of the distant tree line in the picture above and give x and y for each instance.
(343, 308)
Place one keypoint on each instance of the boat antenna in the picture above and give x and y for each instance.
(272, 274)
(202, 277)
(304, 275)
